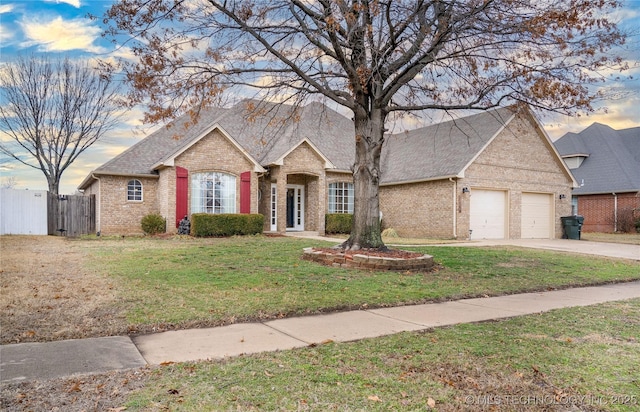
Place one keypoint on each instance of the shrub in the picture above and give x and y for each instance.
(390, 232)
(153, 224)
(205, 224)
(338, 222)
(627, 223)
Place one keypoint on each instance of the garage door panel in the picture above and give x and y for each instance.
(536, 220)
(487, 216)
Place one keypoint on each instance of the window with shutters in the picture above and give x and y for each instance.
(213, 192)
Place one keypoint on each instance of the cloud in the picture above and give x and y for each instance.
(74, 3)
(58, 35)
(5, 35)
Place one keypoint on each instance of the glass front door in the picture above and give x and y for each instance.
(295, 207)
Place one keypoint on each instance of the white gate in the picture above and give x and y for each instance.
(23, 212)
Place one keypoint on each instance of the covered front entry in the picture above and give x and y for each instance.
(297, 203)
(295, 207)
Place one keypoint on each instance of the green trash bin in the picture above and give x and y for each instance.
(572, 226)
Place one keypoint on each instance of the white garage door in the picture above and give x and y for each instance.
(536, 216)
(487, 214)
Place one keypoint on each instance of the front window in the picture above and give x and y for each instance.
(134, 190)
(341, 197)
(213, 192)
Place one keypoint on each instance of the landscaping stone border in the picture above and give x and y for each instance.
(362, 261)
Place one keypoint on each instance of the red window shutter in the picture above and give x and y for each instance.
(182, 193)
(245, 192)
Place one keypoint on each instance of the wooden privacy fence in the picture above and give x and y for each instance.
(71, 215)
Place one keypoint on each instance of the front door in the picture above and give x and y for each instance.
(295, 207)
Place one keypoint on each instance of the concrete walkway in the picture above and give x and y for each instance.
(36, 361)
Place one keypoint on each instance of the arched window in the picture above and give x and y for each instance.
(213, 192)
(134, 190)
(341, 197)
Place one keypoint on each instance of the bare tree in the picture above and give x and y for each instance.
(9, 182)
(374, 57)
(52, 112)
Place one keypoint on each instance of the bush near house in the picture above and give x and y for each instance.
(153, 224)
(338, 222)
(204, 224)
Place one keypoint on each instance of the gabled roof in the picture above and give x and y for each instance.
(169, 160)
(441, 150)
(613, 162)
(138, 160)
(267, 132)
(264, 132)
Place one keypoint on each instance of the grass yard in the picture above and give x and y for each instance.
(221, 281)
(100, 287)
(629, 238)
(576, 359)
(588, 357)
(585, 358)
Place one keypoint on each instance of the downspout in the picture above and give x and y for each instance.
(615, 212)
(98, 204)
(455, 207)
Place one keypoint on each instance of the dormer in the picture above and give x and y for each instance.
(573, 161)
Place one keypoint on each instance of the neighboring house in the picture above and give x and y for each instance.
(606, 164)
(491, 175)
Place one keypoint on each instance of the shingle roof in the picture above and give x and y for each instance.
(140, 158)
(440, 150)
(282, 127)
(613, 162)
(267, 131)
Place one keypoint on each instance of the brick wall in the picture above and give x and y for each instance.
(212, 153)
(419, 209)
(599, 211)
(303, 166)
(119, 216)
(518, 160)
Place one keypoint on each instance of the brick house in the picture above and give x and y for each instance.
(606, 164)
(494, 174)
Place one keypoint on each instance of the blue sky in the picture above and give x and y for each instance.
(61, 28)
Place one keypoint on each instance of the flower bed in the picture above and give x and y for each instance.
(370, 259)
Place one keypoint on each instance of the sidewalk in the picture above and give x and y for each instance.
(31, 361)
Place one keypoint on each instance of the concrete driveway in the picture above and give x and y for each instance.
(614, 250)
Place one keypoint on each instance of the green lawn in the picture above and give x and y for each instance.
(588, 357)
(197, 282)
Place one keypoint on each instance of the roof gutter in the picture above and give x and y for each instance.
(606, 192)
(94, 176)
(429, 179)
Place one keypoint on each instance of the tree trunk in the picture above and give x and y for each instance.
(369, 135)
(54, 185)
